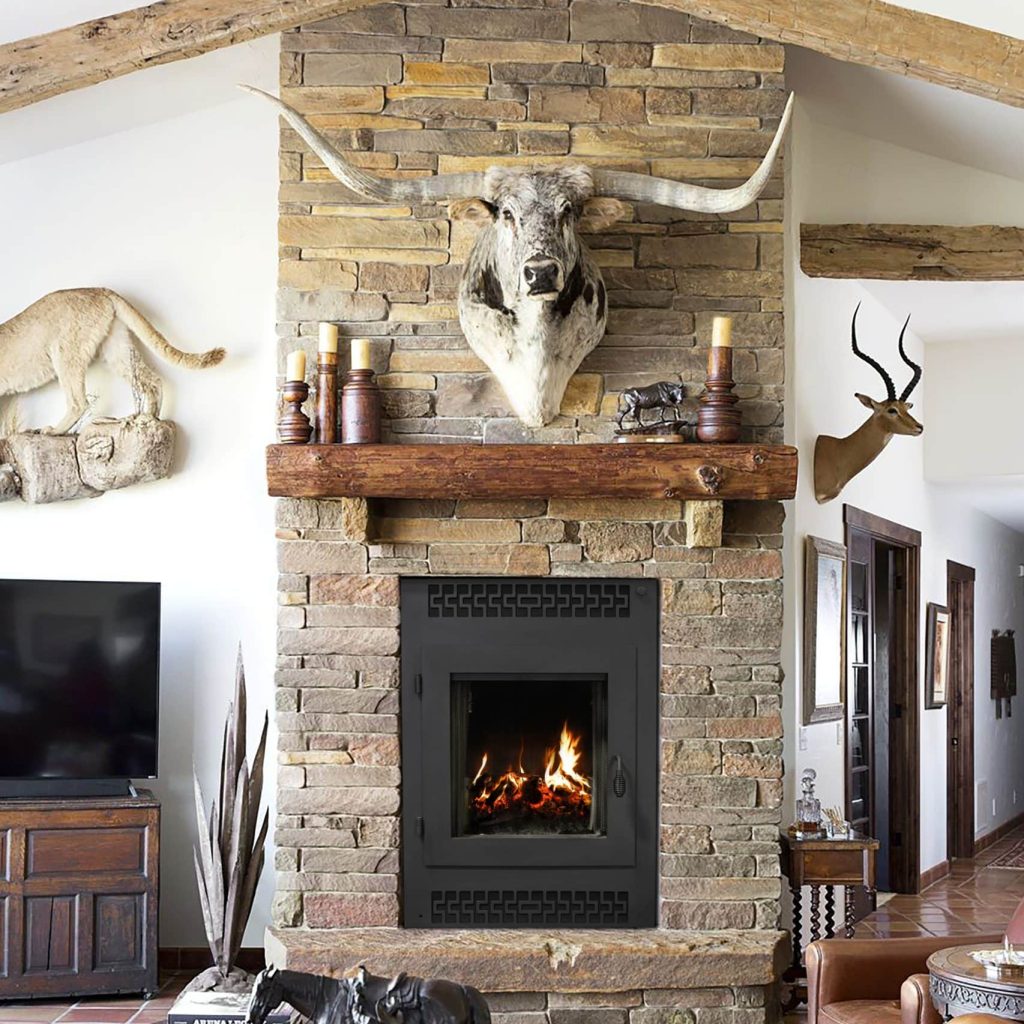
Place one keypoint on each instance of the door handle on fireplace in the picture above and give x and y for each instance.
(619, 778)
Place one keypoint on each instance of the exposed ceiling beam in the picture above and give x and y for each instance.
(882, 35)
(912, 252)
(71, 58)
(867, 32)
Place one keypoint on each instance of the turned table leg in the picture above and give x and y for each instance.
(849, 912)
(797, 892)
(815, 910)
(830, 912)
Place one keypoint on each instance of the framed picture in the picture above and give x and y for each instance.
(936, 669)
(824, 671)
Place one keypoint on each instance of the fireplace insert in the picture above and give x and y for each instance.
(529, 752)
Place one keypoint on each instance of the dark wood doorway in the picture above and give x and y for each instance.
(882, 718)
(960, 713)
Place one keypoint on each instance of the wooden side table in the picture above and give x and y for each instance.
(960, 985)
(824, 863)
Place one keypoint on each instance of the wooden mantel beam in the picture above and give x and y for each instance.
(912, 252)
(71, 58)
(869, 32)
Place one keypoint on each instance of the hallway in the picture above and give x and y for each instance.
(973, 899)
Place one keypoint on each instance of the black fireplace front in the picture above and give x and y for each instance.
(529, 752)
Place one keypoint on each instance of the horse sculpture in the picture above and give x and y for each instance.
(366, 999)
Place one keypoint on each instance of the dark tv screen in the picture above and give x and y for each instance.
(79, 679)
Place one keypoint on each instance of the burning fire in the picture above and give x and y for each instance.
(560, 792)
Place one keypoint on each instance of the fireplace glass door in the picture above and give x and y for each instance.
(528, 756)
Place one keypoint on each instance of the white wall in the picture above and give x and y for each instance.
(835, 176)
(180, 217)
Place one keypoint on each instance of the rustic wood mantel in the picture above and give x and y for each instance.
(683, 471)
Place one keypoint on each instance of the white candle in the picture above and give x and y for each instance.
(360, 353)
(328, 338)
(721, 332)
(296, 365)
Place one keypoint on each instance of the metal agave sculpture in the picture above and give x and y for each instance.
(230, 855)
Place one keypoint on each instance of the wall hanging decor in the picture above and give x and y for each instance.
(936, 669)
(824, 662)
(664, 400)
(837, 460)
(57, 339)
(532, 302)
(1004, 670)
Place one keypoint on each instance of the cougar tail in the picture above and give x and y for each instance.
(156, 342)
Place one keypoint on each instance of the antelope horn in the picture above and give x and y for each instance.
(644, 188)
(889, 386)
(917, 369)
(439, 188)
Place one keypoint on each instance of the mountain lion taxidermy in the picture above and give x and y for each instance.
(59, 337)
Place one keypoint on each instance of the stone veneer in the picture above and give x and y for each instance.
(418, 87)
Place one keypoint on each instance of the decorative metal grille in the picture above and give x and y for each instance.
(525, 908)
(528, 599)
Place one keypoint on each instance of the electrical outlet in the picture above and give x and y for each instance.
(802, 741)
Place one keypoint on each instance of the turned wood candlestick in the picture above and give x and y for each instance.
(360, 408)
(294, 426)
(327, 397)
(718, 419)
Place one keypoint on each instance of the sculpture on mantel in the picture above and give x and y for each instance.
(366, 999)
(837, 460)
(58, 338)
(532, 302)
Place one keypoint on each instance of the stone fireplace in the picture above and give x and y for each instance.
(418, 87)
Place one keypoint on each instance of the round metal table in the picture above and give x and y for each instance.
(959, 985)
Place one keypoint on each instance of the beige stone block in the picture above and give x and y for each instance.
(314, 175)
(720, 56)
(675, 78)
(512, 559)
(412, 531)
(642, 140)
(320, 557)
(422, 312)
(509, 21)
(533, 126)
(691, 597)
(311, 275)
(358, 254)
(764, 727)
(373, 212)
(408, 381)
(445, 73)
(375, 122)
(351, 68)
(327, 232)
(338, 640)
(367, 99)
(726, 283)
(641, 510)
(582, 395)
(703, 524)
(355, 518)
(687, 169)
(586, 103)
(616, 542)
(623, 55)
(732, 564)
(354, 590)
(725, 250)
(348, 910)
(612, 257)
(468, 92)
(453, 164)
(314, 757)
(386, 277)
(439, 362)
(511, 52)
(500, 508)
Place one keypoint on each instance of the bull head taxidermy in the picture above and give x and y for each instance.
(837, 460)
(531, 301)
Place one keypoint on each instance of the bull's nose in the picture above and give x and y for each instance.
(542, 276)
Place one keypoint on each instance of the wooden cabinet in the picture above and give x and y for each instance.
(78, 896)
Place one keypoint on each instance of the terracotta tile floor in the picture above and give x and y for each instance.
(973, 899)
(99, 1009)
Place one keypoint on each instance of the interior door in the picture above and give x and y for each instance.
(960, 712)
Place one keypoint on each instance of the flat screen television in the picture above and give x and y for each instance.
(79, 684)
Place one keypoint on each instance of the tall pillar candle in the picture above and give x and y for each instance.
(327, 385)
(718, 419)
(360, 399)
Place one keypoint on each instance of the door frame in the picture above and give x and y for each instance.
(905, 874)
(960, 717)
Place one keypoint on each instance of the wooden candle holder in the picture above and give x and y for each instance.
(294, 426)
(718, 419)
(360, 408)
(327, 397)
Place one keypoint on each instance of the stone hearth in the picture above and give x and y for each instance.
(418, 87)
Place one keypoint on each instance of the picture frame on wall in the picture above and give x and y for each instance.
(824, 661)
(936, 669)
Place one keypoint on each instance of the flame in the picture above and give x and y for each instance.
(562, 791)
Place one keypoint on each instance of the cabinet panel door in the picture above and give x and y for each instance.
(51, 934)
(117, 932)
(91, 851)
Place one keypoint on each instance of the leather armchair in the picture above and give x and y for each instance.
(875, 981)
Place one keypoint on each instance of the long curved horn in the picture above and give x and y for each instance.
(645, 188)
(917, 369)
(890, 388)
(439, 188)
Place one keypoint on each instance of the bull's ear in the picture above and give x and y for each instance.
(476, 210)
(600, 212)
